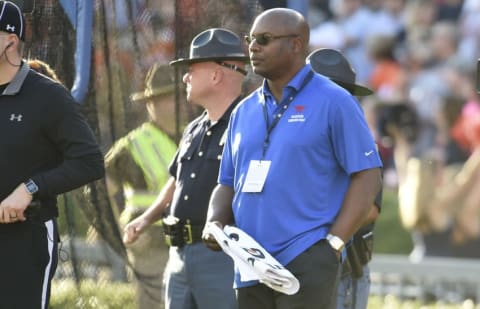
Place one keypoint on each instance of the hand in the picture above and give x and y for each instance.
(209, 240)
(13, 206)
(338, 254)
(132, 230)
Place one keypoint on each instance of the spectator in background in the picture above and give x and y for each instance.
(354, 286)
(355, 19)
(387, 75)
(137, 169)
(449, 10)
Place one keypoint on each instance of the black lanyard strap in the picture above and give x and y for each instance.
(282, 107)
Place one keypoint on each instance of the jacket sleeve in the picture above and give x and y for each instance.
(73, 138)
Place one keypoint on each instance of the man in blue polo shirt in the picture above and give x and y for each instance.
(299, 170)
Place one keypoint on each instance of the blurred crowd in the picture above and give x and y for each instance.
(420, 57)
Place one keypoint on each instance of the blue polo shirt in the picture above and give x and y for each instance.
(321, 139)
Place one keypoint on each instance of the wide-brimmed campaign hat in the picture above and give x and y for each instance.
(332, 64)
(158, 82)
(213, 45)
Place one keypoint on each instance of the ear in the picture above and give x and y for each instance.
(13, 39)
(297, 44)
(217, 76)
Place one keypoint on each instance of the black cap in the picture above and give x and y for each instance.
(214, 44)
(332, 64)
(11, 19)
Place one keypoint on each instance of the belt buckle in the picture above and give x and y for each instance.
(187, 233)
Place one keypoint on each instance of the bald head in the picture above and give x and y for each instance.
(286, 21)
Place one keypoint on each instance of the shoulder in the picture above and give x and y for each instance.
(118, 150)
(47, 91)
(45, 83)
(328, 90)
(253, 99)
(192, 124)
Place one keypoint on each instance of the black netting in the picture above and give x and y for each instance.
(128, 37)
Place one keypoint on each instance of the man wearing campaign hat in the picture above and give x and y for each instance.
(47, 148)
(354, 285)
(197, 277)
(137, 167)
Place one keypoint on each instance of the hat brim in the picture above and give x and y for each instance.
(354, 89)
(206, 59)
(156, 92)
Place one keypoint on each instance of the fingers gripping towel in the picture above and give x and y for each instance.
(253, 261)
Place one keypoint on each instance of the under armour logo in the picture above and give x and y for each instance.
(16, 117)
(10, 28)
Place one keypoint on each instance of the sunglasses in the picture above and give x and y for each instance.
(265, 38)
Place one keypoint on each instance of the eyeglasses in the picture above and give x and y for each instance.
(265, 38)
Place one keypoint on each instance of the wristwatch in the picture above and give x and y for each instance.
(336, 242)
(31, 186)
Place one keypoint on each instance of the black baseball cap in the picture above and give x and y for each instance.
(11, 19)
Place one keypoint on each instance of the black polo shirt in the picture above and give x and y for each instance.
(195, 166)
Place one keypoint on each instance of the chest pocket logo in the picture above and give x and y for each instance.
(14, 117)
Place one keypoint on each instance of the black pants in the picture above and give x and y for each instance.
(317, 270)
(28, 259)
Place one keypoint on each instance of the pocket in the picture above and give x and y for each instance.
(214, 153)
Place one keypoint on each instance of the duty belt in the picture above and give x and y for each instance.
(178, 234)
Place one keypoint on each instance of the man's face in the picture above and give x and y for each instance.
(161, 110)
(4, 42)
(269, 47)
(197, 81)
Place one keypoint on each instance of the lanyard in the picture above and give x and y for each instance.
(282, 108)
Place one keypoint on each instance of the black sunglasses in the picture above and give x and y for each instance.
(265, 38)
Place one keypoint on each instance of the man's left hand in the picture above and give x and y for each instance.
(209, 240)
(13, 206)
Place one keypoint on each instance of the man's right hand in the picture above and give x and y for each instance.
(209, 240)
(132, 230)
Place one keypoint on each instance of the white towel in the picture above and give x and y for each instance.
(252, 260)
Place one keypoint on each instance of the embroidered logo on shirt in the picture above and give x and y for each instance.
(14, 117)
(299, 116)
(299, 108)
(368, 153)
(296, 118)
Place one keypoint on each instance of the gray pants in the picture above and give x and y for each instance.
(317, 269)
(199, 278)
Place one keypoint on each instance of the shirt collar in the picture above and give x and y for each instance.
(14, 86)
(295, 83)
(225, 117)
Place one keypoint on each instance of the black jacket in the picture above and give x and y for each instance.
(44, 137)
